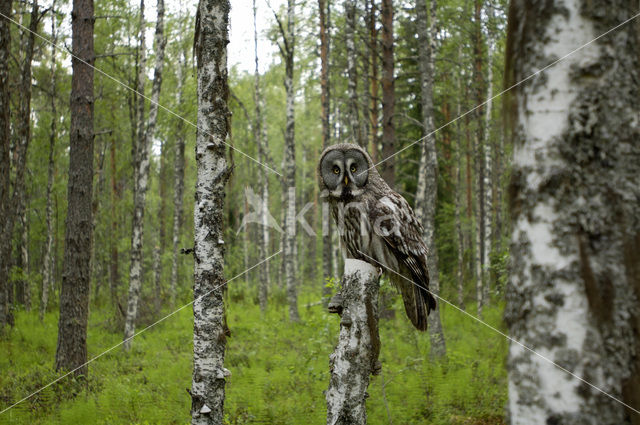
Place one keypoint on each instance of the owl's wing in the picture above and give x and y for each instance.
(394, 221)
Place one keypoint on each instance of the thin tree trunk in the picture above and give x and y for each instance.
(178, 184)
(373, 53)
(479, 158)
(573, 290)
(47, 266)
(6, 315)
(388, 95)
(260, 136)
(95, 204)
(71, 352)
(458, 206)
(427, 190)
(325, 99)
(114, 274)
(20, 154)
(355, 130)
(142, 172)
(23, 288)
(209, 328)
(289, 162)
(159, 248)
(488, 232)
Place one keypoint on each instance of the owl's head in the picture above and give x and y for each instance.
(344, 170)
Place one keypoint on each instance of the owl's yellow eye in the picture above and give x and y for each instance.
(353, 168)
(336, 170)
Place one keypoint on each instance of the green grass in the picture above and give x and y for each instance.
(279, 370)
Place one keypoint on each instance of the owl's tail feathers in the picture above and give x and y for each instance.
(418, 303)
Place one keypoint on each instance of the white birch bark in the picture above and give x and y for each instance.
(260, 135)
(355, 357)
(427, 190)
(178, 185)
(209, 329)
(142, 175)
(573, 290)
(487, 158)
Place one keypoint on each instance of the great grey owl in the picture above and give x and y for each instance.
(374, 222)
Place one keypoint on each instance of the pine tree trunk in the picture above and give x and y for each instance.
(458, 207)
(573, 291)
(114, 274)
(178, 184)
(47, 266)
(209, 328)
(325, 101)
(71, 352)
(142, 170)
(373, 53)
(355, 130)
(427, 190)
(388, 95)
(6, 315)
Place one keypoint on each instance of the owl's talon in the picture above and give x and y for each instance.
(380, 271)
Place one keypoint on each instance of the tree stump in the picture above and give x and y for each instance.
(356, 354)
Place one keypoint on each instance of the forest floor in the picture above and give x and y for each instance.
(279, 370)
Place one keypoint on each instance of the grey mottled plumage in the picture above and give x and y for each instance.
(376, 222)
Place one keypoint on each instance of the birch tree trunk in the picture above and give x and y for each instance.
(290, 167)
(142, 171)
(388, 95)
(260, 136)
(573, 291)
(427, 190)
(47, 266)
(355, 130)
(6, 316)
(160, 43)
(71, 351)
(178, 183)
(325, 100)
(487, 193)
(209, 329)
(355, 357)
(458, 206)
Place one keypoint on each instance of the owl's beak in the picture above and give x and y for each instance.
(346, 180)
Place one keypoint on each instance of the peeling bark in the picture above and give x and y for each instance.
(574, 284)
(209, 328)
(355, 357)
(388, 95)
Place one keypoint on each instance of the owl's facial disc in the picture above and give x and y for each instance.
(357, 168)
(332, 170)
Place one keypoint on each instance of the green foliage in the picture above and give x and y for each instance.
(279, 370)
